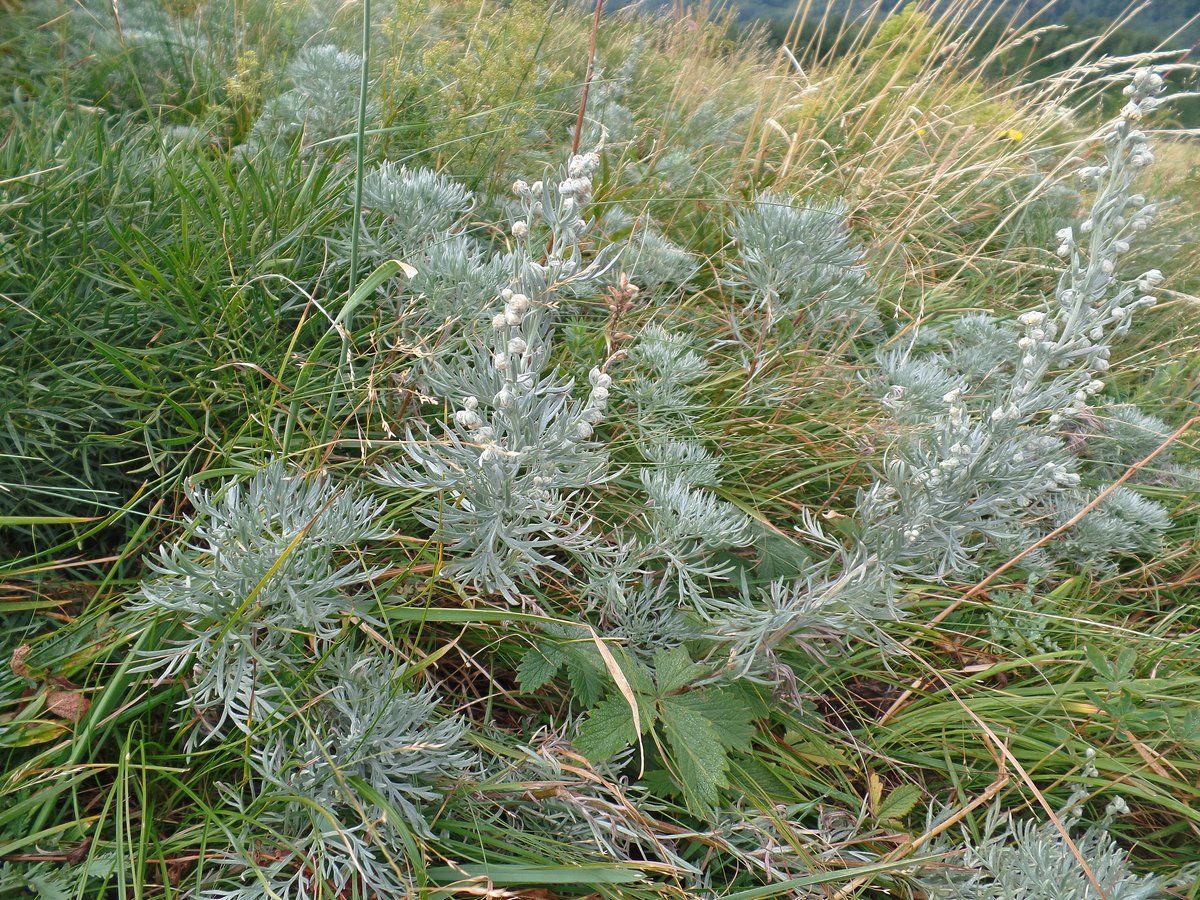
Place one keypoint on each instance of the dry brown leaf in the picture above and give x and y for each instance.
(18, 664)
(67, 705)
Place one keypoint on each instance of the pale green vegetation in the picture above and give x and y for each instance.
(779, 482)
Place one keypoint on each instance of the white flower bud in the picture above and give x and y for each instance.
(1033, 318)
(504, 399)
(518, 302)
(599, 379)
(511, 317)
(600, 394)
(499, 321)
(520, 229)
(1150, 280)
(506, 294)
(517, 346)
(520, 187)
(500, 361)
(583, 431)
(1025, 344)
(468, 419)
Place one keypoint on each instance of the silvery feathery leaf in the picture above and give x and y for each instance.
(405, 209)
(368, 725)
(687, 461)
(654, 261)
(798, 259)
(1027, 860)
(666, 377)
(683, 525)
(257, 569)
(321, 105)
(830, 599)
(296, 851)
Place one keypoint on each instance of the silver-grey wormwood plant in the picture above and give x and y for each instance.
(505, 472)
(261, 568)
(991, 467)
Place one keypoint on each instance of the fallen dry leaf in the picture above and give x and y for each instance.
(17, 663)
(67, 705)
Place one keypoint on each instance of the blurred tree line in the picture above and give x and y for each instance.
(1164, 23)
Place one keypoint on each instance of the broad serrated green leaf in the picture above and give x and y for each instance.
(47, 887)
(587, 675)
(899, 803)
(697, 754)
(538, 666)
(607, 729)
(674, 669)
(725, 710)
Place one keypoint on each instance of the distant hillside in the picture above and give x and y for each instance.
(1154, 24)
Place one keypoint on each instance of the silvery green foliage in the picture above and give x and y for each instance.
(608, 117)
(439, 307)
(669, 553)
(367, 725)
(321, 105)
(325, 834)
(258, 569)
(1027, 860)
(682, 527)
(1124, 524)
(667, 372)
(1118, 437)
(686, 460)
(643, 613)
(1015, 622)
(655, 262)
(418, 216)
(297, 851)
(506, 470)
(405, 209)
(993, 466)
(835, 595)
(798, 261)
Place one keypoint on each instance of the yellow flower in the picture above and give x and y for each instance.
(1011, 134)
